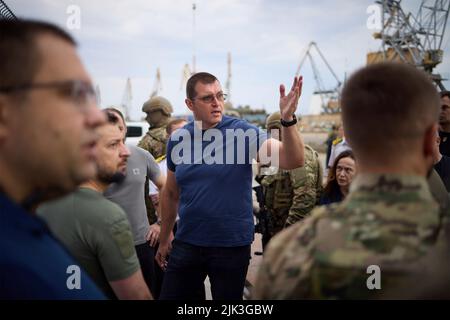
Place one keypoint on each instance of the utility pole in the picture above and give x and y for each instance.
(228, 83)
(194, 67)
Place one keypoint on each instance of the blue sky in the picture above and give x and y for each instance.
(121, 39)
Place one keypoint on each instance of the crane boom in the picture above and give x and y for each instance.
(328, 96)
(5, 12)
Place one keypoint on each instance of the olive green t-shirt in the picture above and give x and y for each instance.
(96, 232)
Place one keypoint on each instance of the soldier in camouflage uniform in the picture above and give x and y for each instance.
(389, 219)
(290, 195)
(158, 110)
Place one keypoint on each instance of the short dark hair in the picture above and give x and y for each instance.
(444, 93)
(331, 184)
(111, 116)
(203, 77)
(19, 56)
(172, 123)
(385, 106)
(117, 111)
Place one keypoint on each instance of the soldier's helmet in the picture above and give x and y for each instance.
(273, 121)
(158, 103)
(232, 113)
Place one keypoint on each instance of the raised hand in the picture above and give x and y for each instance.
(289, 102)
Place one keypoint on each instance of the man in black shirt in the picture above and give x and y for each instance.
(443, 169)
(444, 123)
(441, 164)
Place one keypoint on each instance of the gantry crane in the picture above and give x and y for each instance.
(157, 85)
(127, 104)
(413, 39)
(98, 95)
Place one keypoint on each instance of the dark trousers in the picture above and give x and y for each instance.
(159, 276)
(146, 257)
(189, 265)
(159, 273)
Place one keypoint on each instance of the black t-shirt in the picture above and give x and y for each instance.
(444, 147)
(443, 169)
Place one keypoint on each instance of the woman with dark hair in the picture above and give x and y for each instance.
(340, 177)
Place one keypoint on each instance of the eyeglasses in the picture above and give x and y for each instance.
(81, 92)
(209, 99)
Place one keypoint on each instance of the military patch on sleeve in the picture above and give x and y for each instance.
(123, 238)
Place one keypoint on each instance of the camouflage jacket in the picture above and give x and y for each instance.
(290, 195)
(390, 221)
(155, 141)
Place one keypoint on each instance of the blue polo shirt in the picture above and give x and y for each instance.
(33, 265)
(213, 170)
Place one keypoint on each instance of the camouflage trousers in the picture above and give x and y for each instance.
(277, 220)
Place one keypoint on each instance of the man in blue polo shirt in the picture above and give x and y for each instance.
(209, 177)
(48, 119)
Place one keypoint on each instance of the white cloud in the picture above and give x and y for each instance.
(121, 39)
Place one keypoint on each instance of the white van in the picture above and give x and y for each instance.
(135, 131)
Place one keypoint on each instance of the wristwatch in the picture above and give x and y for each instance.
(289, 123)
